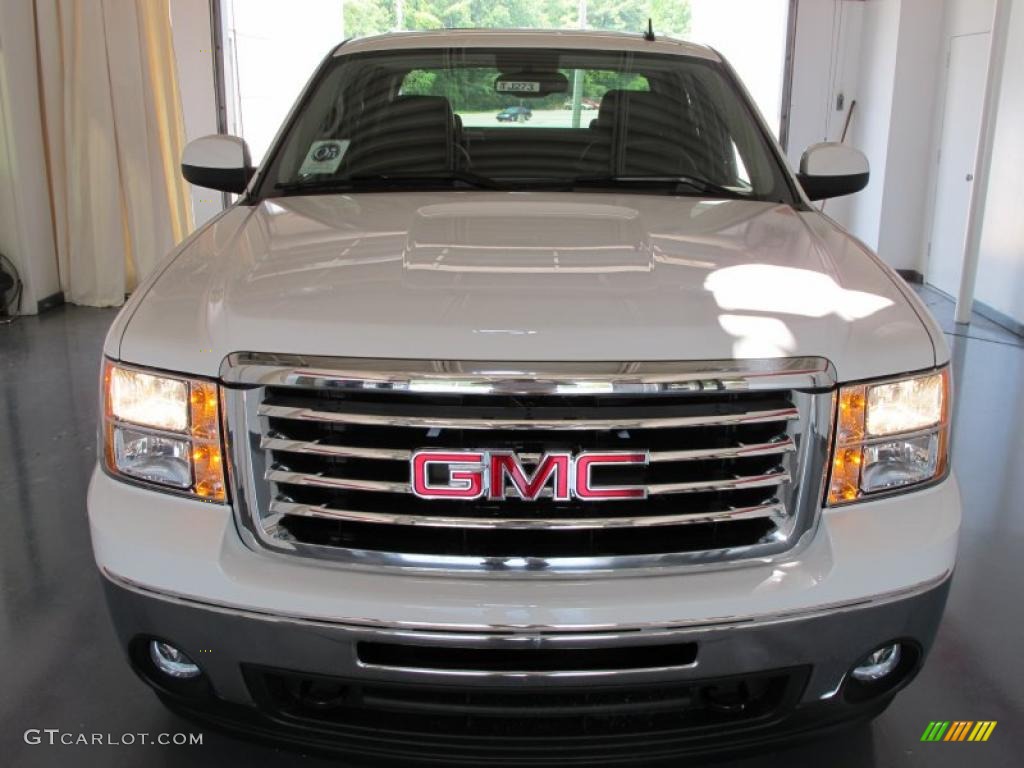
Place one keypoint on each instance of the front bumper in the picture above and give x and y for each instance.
(873, 573)
(255, 667)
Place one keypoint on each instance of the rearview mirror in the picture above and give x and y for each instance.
(217, 162)
(531, 84)
(831, 169)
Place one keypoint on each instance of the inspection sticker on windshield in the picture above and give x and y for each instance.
(324, 156)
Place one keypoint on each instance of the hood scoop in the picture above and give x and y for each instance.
(524, 238)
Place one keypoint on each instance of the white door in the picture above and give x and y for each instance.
(961, 123)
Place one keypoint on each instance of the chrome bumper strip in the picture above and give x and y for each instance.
(526, 633)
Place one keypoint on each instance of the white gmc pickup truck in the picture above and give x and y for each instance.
(584, 439)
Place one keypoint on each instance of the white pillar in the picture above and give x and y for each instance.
(577, 74)
(983, 163)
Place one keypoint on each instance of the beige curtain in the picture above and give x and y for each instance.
(114, 134)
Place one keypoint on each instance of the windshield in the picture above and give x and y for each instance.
(521, 119)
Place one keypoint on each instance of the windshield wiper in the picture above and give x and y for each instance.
(469, 180)
(668, 183)
(384, 181)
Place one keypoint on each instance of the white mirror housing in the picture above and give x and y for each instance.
(217, 162)
(831, 169)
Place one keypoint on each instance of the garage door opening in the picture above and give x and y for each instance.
(270, 50)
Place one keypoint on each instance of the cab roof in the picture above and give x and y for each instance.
(526, 38)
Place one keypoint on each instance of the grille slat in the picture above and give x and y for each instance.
(446, 422)
(775, 510)
(315, 447)
(329, 463)
(767, 480)
(343, 483)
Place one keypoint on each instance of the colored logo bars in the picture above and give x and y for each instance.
(958, 730)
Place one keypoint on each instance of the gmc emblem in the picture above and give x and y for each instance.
(492, 474)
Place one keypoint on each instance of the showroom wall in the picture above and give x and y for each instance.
(910, 133)
(1001, 267)
(1000, 284)
(869, 128)
(890, 56)
(193, 52)
(828, 34)
(877, 53)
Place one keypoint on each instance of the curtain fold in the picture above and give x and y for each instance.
(114, 135)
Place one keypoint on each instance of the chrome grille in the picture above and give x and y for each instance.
(321, 454)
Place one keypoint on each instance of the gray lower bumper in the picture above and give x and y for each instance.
(828, 641)
(790, 673)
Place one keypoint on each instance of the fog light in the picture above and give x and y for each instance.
(878, 664)
(171, 661)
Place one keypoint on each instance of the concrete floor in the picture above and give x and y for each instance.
(60, 667)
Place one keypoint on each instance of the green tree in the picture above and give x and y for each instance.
(372, 17)
(474, 89)
(670, 17)
(368, 17)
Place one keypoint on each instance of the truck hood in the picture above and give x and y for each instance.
(526, 276)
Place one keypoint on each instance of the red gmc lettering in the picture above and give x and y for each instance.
(506, 465)
(472, 474)
(585, 489)
(466, 474)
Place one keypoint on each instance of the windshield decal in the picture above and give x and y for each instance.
(324, 156)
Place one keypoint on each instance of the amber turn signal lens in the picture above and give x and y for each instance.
(207, 463)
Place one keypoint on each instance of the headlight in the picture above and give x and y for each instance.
(890, 435)
(163, 430)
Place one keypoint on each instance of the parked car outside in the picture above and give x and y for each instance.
(515, 115)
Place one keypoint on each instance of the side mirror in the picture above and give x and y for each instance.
(831, 169)
(217, 162)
